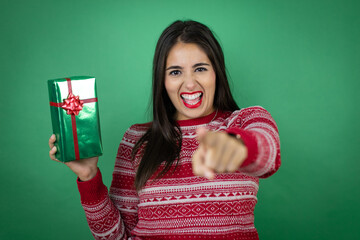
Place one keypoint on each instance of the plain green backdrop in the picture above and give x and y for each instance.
(298, 59)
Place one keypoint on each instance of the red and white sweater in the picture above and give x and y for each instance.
(181, 205)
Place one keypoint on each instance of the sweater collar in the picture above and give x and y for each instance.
(200, 120)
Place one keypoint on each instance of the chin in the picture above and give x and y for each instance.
(193, 113)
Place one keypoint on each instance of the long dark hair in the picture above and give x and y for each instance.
(163, 139)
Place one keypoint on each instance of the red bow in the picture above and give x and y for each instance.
(73, 105)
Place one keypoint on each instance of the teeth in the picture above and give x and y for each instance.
(193, 103)
(191, 96)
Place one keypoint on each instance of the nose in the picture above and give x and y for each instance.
(190, 82)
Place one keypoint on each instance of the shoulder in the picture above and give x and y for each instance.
(249, 111)
(253, 113)
(135, 132)
(139, 127)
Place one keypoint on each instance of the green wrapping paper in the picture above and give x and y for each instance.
(75, 118)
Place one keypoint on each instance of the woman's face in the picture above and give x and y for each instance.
(190, 81)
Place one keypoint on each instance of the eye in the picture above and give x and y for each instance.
(175, 73)
(200, 69)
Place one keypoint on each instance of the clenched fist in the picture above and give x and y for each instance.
(218, 152)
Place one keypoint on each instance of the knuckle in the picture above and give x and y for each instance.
(211, 140)
(223, 136)
(211, 164)
(221, 169)
(231, 168)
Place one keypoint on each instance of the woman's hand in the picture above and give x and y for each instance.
(217, 153)
(85, 169)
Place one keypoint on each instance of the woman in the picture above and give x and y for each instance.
(193, 172)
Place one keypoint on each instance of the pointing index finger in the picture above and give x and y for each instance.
(201, 133)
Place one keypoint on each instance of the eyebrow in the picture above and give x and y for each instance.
(194, 66)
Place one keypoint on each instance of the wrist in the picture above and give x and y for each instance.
(237, 137)
(88, 175)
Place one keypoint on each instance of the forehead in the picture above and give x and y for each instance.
(183, 54)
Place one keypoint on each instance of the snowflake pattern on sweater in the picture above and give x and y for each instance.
(181, 205)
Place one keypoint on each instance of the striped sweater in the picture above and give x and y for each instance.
(181, 205)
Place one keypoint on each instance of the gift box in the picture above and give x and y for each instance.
(75, 118)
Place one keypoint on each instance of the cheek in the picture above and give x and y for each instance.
(170, 87)
(211, 86)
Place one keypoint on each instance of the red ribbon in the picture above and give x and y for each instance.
(73, 105)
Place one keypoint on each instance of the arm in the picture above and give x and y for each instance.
(122, 190)
(103, 217)
(259, 133)
(255, 151)
(114, 215)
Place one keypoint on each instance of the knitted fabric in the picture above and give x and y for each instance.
(181, 205)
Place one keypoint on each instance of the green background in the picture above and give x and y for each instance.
(298, 59)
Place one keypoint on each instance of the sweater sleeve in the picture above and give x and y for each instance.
(111, 215)
(122, 190)
(259, 133)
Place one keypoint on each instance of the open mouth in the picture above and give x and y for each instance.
(192, 100)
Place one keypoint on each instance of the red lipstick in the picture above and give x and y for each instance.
(192, 99)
